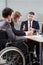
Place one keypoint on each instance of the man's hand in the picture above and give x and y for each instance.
(30, 32)
(31, 29)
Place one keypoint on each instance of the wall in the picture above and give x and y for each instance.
(2, 6)
(24, 6)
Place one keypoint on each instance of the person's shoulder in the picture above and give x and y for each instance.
(2, 22)
(7, 24)
(35, 21)
(24, 21)
(12, 22)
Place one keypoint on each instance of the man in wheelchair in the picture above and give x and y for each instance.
(6, 27)
(10, 36)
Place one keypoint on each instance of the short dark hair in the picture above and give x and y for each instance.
(32, 13)
(6, 12)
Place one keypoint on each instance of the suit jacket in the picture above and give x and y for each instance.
(35, 25)
(17, 32)
(7, 27)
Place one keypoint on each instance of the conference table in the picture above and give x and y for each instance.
(38, 38)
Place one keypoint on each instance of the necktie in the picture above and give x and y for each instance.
(30, 23)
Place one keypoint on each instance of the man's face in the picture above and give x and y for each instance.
(12, 15)
(9, 18)
(30, 17)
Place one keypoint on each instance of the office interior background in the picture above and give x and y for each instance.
(24, 6)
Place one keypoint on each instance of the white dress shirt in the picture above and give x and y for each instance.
(28, 27)
(29, 24)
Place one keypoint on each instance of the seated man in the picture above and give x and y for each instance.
(31, 24)
(6, 13)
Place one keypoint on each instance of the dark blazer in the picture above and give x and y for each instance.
(17, 32)
(35, 25)
(42, 28)
(7, 27)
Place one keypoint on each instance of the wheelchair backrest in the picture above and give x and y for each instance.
(3, 39)
(3, 34)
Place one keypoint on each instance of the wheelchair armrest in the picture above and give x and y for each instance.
(14, 42)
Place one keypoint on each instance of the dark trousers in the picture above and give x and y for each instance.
(31, 45)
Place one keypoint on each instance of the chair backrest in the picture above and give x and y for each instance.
(3, 34)
(3, 39)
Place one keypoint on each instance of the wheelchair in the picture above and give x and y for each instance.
(15, 53)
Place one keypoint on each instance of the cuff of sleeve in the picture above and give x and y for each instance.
(26, 33)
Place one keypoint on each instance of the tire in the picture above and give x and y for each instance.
(18, 53)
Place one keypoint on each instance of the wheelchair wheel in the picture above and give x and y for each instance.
(13, 56)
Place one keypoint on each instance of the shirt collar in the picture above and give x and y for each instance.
(29, 22)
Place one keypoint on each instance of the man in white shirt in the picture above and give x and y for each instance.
(26, 24)
(31, 25)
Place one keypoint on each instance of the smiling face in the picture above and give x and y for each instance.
(30, 17)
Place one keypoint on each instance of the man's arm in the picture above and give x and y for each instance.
(37, 27)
